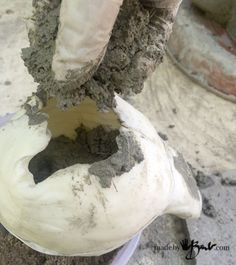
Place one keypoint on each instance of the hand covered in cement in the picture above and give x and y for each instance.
(84, 31)
(70, 38)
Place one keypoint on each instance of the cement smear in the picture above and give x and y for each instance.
(135, 48)
(203, 181)
(187, 174)
(208, 209)
(35, 116)
(110, 154)
(128, 154)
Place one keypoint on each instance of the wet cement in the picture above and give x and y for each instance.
(203, 181)
(109, 152)
(32, 111)
(88, 147)
(207, 208)
(135, 48)
(183, 168)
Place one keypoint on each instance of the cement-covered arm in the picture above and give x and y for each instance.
(84, 32)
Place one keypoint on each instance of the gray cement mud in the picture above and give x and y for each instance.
(110, 154)
(203, 181)
(183, 168)
(207, 208)
(135, 48)
(35, 116)
(129, 153)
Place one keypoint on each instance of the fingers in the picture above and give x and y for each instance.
(84, 32)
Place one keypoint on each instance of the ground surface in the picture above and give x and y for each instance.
(197, 123)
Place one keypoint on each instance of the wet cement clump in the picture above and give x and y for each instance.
(207, 208)
(203, 181)
(61, 152)
(38, 57)
(163, 136)
(183, 168)
(109, 152)
(128, 154)
(135, 48)
(35, 117)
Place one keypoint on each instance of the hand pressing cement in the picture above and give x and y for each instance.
(69, 40)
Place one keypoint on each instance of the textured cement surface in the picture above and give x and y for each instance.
(136, 46)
